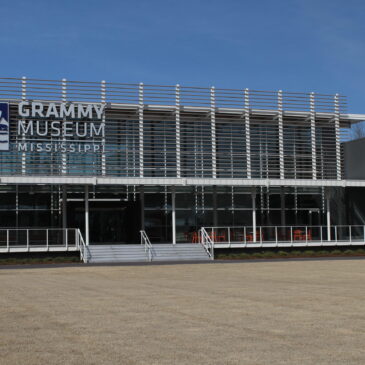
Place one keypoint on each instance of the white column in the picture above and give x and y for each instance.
(141, 199)
(313, 136)
(87, 215)
(103, 101)
(140, 129)
(328, 210)
(64, 213)
(212, 121)
(281, 134)
(253, 196)
(248, 134)
(24, 97)
(338, 138)
(177, 121)
(173, 196)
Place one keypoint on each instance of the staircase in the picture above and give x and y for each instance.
(137, 253)
(179, 252)
(116, 253)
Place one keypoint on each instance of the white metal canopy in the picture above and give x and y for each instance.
(67, 180)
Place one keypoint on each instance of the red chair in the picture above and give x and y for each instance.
(249, 237)
(298, 235)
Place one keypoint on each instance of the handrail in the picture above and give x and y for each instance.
(147, 244)
(287, 226)
(207, 243)
(84, 250)
(43, 240)
(294, 235)
(38, 239)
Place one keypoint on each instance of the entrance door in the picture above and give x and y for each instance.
(110, 221)
(107, 223)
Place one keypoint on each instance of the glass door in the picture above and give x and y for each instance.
(107, 222)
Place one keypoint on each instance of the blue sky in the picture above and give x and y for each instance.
(294, 45)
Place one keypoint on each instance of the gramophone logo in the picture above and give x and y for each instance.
(4, 127)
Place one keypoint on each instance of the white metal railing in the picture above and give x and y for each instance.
(271, 236)
(147, 245)
(207, 242)
(84, 250)
(39, 239)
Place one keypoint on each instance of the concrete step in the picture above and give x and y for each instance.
(179, 252)
(115, 260)
(116, 253)
(136, 253)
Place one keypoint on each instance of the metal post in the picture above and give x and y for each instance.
(7, 240)
(229, 236)
(253, 196)
(291, 235)
(177, 123)
(244, 234)
(140, 129)
(282, 210)
(86, 215)
(66, 235)
(321, 234)
(103, 120)
(47, 242)
(313, 136)
(276, 236)
(64, 155)
(24, 97)
(248, 134)
(173, 195)
(261, 235)
(281, 134)
(27, 239)
(328, 217)
(212, 121)
(64, 212)
(141, 199)
(338, 137)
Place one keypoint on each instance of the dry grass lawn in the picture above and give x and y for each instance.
(303, 312)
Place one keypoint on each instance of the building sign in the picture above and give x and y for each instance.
(4, 127)
(60, 127)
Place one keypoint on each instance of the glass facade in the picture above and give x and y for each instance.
(117, 213)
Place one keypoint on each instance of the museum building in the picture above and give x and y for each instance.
(113, 159)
